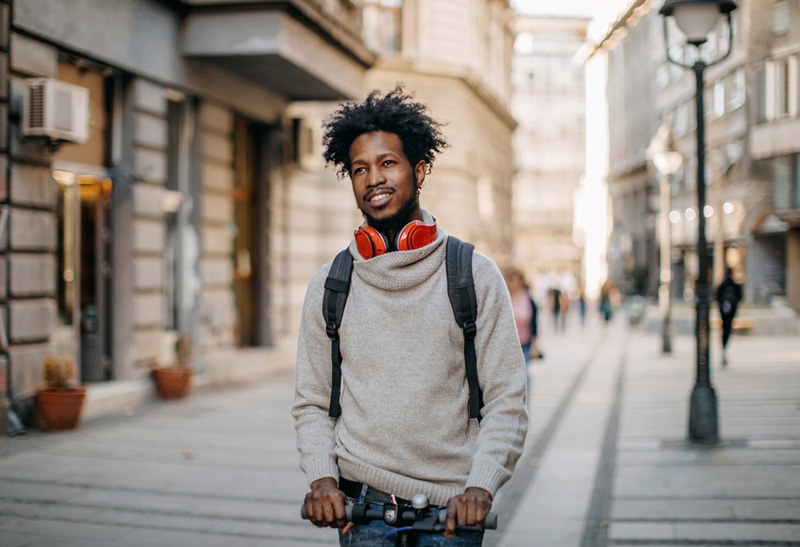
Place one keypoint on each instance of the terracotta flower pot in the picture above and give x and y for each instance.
(172, 383)
(61, 406)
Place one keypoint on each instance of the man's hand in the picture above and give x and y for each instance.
(467, 509)
(325, 505)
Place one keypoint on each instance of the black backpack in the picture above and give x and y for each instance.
(460, 289)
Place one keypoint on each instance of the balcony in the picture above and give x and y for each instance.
(296, 48)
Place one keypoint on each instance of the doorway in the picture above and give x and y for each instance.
(83, 261)
(251, 241)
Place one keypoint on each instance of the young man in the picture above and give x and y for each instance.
(404, 427)
(729, 293)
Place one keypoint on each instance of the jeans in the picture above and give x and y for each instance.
(526, 351)
(371, 535)
(727, 327)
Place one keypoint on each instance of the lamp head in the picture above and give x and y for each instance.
(696, 18)
(665, 151)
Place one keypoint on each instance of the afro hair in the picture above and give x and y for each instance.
(395, 112)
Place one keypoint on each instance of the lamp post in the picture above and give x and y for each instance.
(696, 18)
(666, 156)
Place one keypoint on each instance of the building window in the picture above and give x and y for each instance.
(797, 84)
(680, 123)
(782, 84)
(780, 24)
(736, 90)
(690, 174)
(710, 48)
(796, 191)
(787, 182)
(382, 25)
(723, 42)
(760, 78)
(718, 103)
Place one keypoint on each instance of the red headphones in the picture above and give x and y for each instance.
(414, 235)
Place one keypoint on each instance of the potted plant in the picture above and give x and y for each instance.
(61, 402)
(173, 382)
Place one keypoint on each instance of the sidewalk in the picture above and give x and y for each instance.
(605, 461)
(618, 471)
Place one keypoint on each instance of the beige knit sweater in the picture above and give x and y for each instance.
(405, 426)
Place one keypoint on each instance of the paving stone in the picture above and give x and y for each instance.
(71, 542)
(46, 510)
(561, 532)
(641, 531)
(66, 530)
(8, 539)
(37, 491)
(733, 531)
(170, 538)
(672, 509)
(775, 509)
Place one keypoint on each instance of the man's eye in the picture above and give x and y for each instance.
(388, 162)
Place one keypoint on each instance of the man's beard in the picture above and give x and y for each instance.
(397, 221)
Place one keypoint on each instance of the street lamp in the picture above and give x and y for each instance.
(666, 156)
(696, 18)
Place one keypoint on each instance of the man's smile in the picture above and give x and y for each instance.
(379, 198)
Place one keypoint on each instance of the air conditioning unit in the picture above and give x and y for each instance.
(55, 109)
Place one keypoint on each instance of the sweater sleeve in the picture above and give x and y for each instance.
(503, 380)
(315, 429)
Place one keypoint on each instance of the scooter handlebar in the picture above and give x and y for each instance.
(489, 523)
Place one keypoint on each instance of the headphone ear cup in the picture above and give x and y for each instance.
(415, 235)
(370, 242)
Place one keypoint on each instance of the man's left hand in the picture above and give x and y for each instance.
(467, 509)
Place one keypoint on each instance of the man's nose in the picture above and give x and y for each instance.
(375, 177)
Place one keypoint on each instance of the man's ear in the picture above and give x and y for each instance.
(419, 172)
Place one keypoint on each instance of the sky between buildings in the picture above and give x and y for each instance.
(568, 8)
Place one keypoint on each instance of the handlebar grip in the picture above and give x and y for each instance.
(489, 523)
(348, 511)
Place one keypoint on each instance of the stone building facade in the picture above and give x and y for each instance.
(775, 144)
(176, 216)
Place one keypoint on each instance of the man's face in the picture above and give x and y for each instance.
(384, 181)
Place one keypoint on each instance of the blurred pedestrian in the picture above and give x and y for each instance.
(729, 293)
(525, 313)
(605, 308)
(582, 305)
(555, 307)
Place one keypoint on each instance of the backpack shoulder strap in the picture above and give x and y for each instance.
(337, 286)
(461, 290)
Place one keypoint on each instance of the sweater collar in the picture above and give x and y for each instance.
(400, 270)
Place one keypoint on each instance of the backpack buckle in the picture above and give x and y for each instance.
(470, 330)
(331, 331)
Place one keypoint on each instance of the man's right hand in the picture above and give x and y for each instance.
(325, 505)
